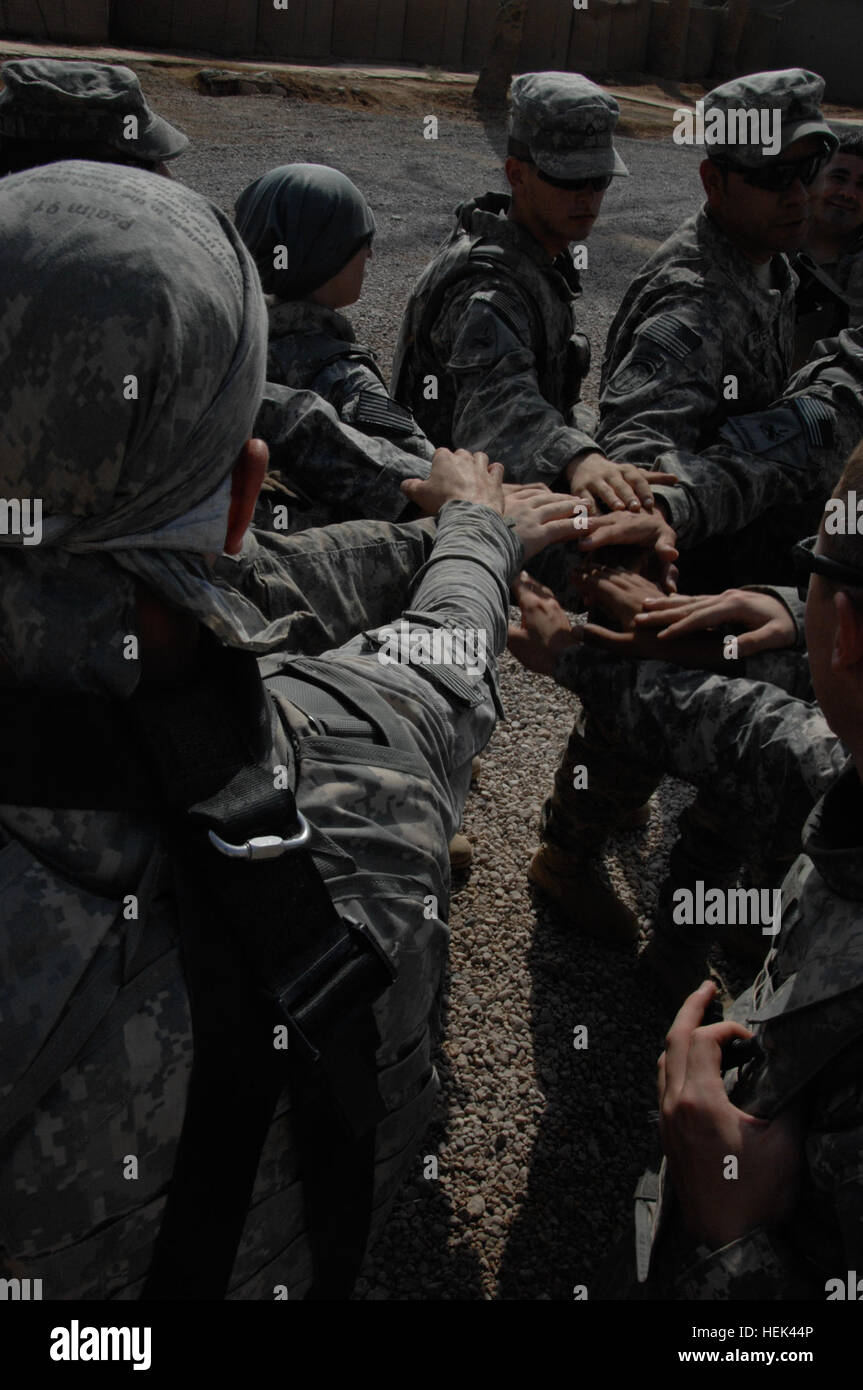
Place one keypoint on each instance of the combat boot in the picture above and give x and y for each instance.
(575, 885)
(460, 851)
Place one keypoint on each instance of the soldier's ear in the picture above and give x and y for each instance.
(246, 481)
(712, 181)
(848, 636)
(515, 172)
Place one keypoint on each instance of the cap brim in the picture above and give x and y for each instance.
(812, 126)
(158, 141)
(581, 164)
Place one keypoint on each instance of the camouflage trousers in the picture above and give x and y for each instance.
(755, 747)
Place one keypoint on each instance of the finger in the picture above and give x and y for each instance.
(496, 472)
(642, 488)
(679, 1037)
(666, 600)
(409, 485)
(763, 639)
(480, 459)
(605, 492)
(703, 1066)
(658, 619)
(587, 499)
(527, 584)
(595, 636)
(702, 620)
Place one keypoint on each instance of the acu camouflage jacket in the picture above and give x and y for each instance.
(491, 321)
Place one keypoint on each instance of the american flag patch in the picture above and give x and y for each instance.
(673, 335)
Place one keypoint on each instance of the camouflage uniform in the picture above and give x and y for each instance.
(764, 483)
(326, 470)
(313, 348)
(131, 496)
(829, 297)
(700, 337)
(707, 729)
(805, 1012)
(693, 316)
(487, 356)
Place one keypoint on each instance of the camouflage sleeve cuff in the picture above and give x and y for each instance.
(477, 522)
(757, 1266)
(793, 602)
(678, 507)
(564, 445)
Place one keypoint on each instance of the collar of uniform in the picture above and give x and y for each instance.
(722, 252)
(305, 316)
(825, 835)
(488, 217)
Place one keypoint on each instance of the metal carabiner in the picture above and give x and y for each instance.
(264, 846)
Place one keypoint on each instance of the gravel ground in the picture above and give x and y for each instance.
(538, 1144)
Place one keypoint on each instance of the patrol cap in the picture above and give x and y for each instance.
(48, 99)
(794, 93)
(566, 121)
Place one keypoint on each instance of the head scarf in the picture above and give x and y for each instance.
(316, 213)
(132, 356)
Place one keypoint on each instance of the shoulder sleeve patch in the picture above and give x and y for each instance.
(670, 333)
(777, 433)
(818, 420)
(633, 375)
(485, 334)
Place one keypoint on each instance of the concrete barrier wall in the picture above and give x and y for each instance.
(610, 36)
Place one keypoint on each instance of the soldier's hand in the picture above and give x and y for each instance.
(545, 629)
(648, 531)
(730, 1171)
(541, 517)
(620, 593)
(770, 625)
(598, 480)
(459, 476)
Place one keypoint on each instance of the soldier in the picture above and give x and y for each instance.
(487, 356)
(789, 1115)
(51, 109)
(706, 729)
(310, 231)
(830, 268)
(705, 330)
(782, 462)
(169, 767)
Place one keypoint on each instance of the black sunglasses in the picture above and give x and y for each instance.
(806, 562)
(778, 178)
(598, 184)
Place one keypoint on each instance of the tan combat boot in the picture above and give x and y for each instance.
(575, 885)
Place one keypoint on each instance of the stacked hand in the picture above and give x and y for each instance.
(768, 622)
(601, 481)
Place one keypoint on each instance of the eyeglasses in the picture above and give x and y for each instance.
(778, 178)
(806, 562)
(598, 184)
